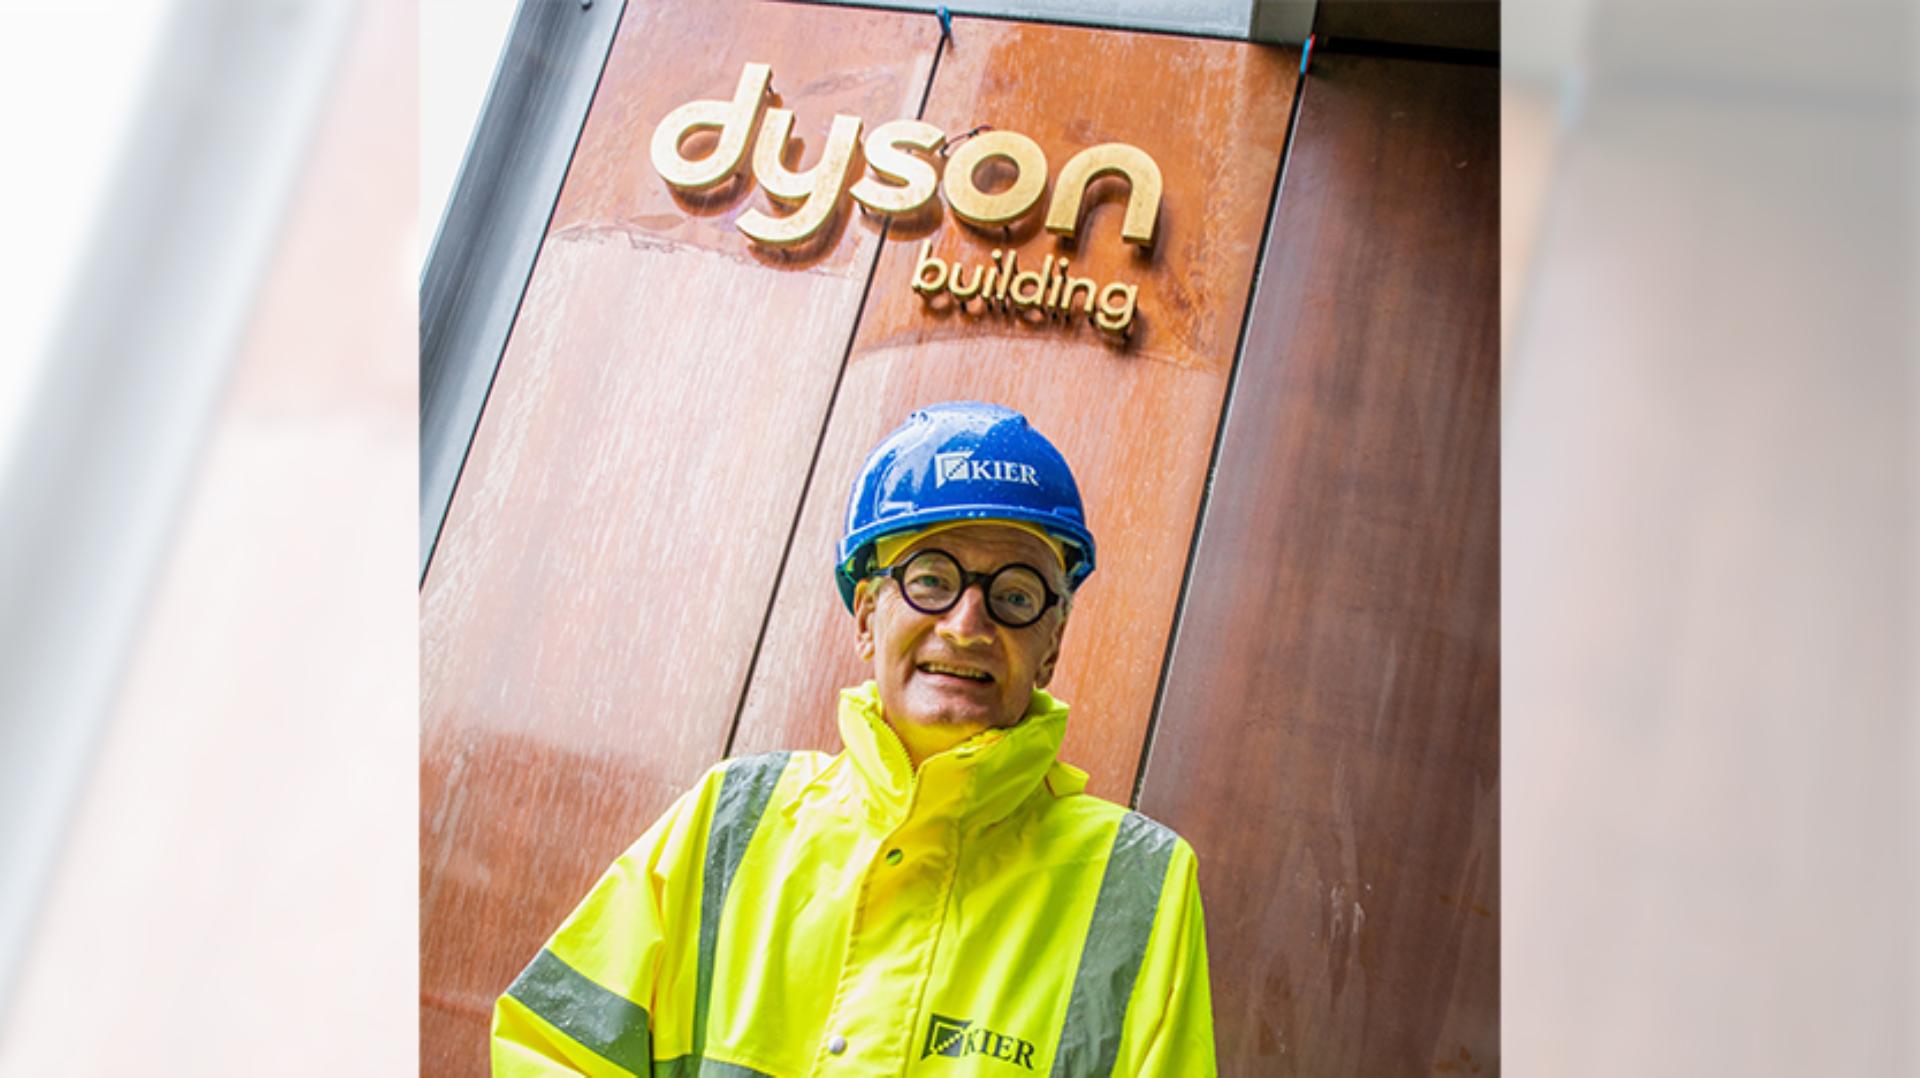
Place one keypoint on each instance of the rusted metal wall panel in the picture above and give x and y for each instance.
(651, 443)
(610, 553)
(1329, 734)
(1137, 420)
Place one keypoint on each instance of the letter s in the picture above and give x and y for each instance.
(915, 176)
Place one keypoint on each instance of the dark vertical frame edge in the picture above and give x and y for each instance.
(494, 225)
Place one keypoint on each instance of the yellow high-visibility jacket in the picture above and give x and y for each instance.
(799, 914)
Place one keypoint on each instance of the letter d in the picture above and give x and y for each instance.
(928, 262)
(735, 119)
(1027, 287)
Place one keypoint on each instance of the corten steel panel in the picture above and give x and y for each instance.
(1329, 735)
(1136, 422)
(610, 554)
(1447, 24)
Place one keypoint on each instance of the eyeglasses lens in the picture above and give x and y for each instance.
(1017, 596)
(932, 581)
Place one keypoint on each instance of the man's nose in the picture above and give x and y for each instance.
(967, 621)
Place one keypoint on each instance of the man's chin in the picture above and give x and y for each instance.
(944, 710)
(952, 717)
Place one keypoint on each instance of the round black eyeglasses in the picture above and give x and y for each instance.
(932, 583)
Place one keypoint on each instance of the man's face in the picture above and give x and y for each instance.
(913, 653)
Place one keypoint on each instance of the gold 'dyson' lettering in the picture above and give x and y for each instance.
(902, 157)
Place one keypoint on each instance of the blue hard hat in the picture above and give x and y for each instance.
(962, 460)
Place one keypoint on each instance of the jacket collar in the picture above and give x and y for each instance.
(980, 780)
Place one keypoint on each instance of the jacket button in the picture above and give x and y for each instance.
(893, 856)
(837, 1045)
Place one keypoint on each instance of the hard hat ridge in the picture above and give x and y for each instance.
(962, 460)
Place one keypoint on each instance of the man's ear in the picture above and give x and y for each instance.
(863, 620)
(1045, 670)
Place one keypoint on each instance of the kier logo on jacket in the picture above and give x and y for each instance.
(957, 1037)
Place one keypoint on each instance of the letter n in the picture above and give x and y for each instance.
(1143, 196)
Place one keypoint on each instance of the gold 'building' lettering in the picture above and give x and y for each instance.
(1003, 286)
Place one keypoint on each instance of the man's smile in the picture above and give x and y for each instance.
(950, 670)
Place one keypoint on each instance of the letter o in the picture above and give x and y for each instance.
(975, 206)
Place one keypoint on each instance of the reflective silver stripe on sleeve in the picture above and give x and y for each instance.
(744, 794)
(614, 1027)
(1116, 944)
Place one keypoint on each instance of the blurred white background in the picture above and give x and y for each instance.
(92, 57)
(460, 44)
(207, 657)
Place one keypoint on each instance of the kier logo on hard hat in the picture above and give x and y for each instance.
(960, 467)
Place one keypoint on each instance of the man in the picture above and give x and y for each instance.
(941, 898)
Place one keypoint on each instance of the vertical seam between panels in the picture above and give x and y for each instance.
(820, 439)
(1219, 437)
